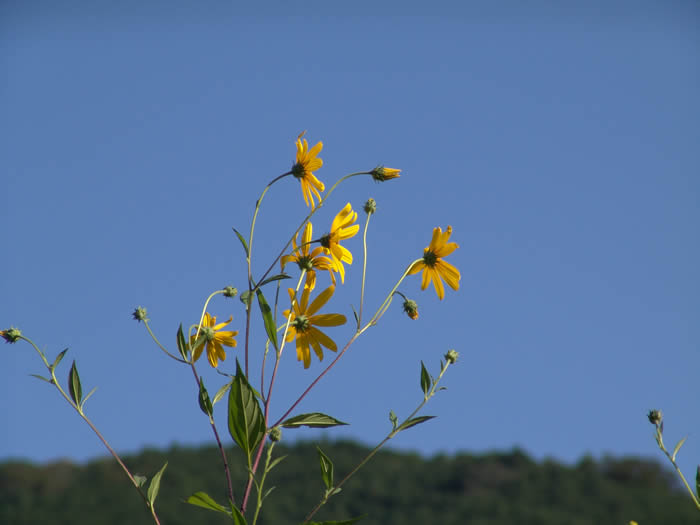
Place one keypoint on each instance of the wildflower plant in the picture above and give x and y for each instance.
(305, 316)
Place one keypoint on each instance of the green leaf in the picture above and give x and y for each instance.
(278, 277)
(344, 522)
(266, 311)
(154, 487)
(238, 518)
(275, 462)
(394, 420)
(182, 345)
(204, 401)
(424, 379)
(222, 392)
(246, 423)
(140, 480)
(42, 378)
(326, 468)
(677, 448)
(74, 386)
(243, 242)
(245, 298)
(202, 499)
(267, 493)
(58, 359)
(697, 481)
(312, 420)
(413, 422)
(87, 397)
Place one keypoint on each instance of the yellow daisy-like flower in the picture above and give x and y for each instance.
(341, 229)
(304, 321)
(307, 162)
(434, 267)
(215, 338)
(308, 260)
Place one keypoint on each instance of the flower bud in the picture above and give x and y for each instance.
(381, 173)
(140, 314)
(11, 335)
(451, 356)
(370, 206)
(411, 308)
(655, 417)
(275, 434)
(230, 291)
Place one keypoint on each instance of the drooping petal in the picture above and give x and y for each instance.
(226, 338)
(439, 288)
(316, 346)
(425, 281)
(323, 339)
(417, 267)
(449, 273)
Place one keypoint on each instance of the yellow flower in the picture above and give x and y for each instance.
(308, 261)
(382, 173)
(434, 267)
(307, 162)
(304, 322)
(341, 229)
(214, 339)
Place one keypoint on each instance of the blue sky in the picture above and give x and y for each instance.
(560, 142)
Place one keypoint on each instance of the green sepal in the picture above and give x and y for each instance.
(154, 486)
(312, 420)
(74, 386)
(278, 277)
(58, 359)
(343, 522)
(140, 480)
(243, 242)
(394, 420)
(222, 392)
(182, 345)
(245, 298)
(202, 499)
(203, 398)
(266, 311)
(424, 379)
(326, 468)
(413, 422)
(246, 423)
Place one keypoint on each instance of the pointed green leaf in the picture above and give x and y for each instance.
(697, 481)
(344, 522)
(204, 401)
(326, 468)
(245, 298)
(278, 277)
(424, 379)
(202, 499)
(243, 242)
(677, 448)
(413, 422)
(246, 423)
(154, 487)
(267, 493)
(74, 386)
(58, 359)
(42, 378)
(140, 480)
(222, 392)
(266, 311)
(394, 420)
(182, 345)
(238, 518)
(275, 462)
(312, 420)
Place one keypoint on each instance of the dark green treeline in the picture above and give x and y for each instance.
(395, 488)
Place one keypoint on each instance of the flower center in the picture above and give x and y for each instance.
(208, 332)
(305, 263)
(326, 241)
(429, 258)
(298, 170)
(301, 323)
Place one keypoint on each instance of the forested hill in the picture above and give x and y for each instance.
(395, 488)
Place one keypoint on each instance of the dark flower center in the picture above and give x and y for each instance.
(326, 241)
(305, 263)
(301, 323)
(429, 258)
(298, 170)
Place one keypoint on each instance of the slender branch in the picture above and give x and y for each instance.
(659, 440)
(364, 271)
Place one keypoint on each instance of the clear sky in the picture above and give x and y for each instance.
(561, 142)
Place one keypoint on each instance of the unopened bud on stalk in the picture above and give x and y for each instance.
(11, 335)
(230, 291)
(411, 308)
(655, 417)
(451, 356)
(370, 206)
(140, 314)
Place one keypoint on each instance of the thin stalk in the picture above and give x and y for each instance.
(155, 339)
(260, 486)
(659, 440)
(364, 271)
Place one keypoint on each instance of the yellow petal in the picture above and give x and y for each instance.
(317, 348)
(320, 300)
(446, 249)
(439, 288)
(306, 237)
(323, 339)
(450, 273)
(417, 267)
(328, 320)
(221, 325)
(425, 281)
(316, 149)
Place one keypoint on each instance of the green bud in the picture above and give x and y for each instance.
(11, 335)
(382, 173)
(275, 434)
(140, 314)
(370, 206)
(451, 356)
(655, 417)
(411, 308)
(230, 291)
